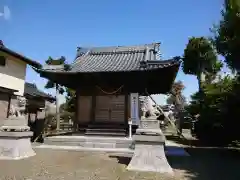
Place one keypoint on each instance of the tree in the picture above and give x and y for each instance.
(70, 100)
(211, 76)
(199, 58)
(227, 34)
(176, 92)
(177, 99)
(170, 100)
(51, 84)
(217, 122)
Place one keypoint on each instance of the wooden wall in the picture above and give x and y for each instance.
(107, 109)
(84, 109)
(110, 109)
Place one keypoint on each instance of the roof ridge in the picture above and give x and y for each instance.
(146, 44)
(127, 48)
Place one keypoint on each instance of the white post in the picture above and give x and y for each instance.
(130, 129)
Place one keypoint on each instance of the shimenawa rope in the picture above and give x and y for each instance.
(110, 93)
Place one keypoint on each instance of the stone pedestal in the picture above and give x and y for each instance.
(149, 127)
(15, 139)
(149, 152)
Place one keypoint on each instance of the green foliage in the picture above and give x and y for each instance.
(170, 100)
(227, 34)
(218, 102)
(211, 76)
(51, 122)
(59, 61)
(69, 105)
(219, 111)
(65, 116)
(49, 85)
(70, 100)
(61, 90)
(67, 67)
(199, 56)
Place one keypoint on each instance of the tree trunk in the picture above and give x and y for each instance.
(179, 107)
(201, 79)
(57, 109)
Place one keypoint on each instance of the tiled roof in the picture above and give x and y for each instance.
(116, 59)
(32, 90)
(19, 56)
(120, 58)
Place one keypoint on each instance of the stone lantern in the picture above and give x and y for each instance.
(15, 134)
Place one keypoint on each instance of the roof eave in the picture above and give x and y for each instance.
(7, 90)
(166, 63)
(39, 96)
(21, 57)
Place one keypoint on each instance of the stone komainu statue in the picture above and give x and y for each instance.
(146, 106)
(18, 109)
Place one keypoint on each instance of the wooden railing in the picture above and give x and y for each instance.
(66, 126)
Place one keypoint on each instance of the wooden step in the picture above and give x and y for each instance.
(106, 126)
(100, 133)
(106, 130)
(93, 141)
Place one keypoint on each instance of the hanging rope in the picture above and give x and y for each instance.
(110, 93)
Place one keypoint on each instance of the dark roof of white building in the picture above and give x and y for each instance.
(19, 56)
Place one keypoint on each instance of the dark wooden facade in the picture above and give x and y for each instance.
(103, 109)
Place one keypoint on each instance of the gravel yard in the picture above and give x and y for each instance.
(72, 165)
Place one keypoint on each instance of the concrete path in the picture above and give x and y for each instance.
(172, 149)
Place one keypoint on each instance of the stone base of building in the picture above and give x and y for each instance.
(15, 145)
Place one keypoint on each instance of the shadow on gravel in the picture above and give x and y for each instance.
(122, 160)
(208, 164)
(202, 164)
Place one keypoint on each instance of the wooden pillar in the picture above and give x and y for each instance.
(126, 113)
(93, 109)
(75, 122)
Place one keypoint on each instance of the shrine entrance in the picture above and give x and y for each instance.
(110, 109)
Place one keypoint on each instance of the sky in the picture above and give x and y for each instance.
(39, 29)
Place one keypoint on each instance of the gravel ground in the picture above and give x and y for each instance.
(203, 164)
(72, 165)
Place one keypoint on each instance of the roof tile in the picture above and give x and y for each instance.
(120, 58)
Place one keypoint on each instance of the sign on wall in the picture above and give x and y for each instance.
(134, 108)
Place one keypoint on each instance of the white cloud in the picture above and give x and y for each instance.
(6, 13)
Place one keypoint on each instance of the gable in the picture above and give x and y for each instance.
(12, 58)
(12, 74)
